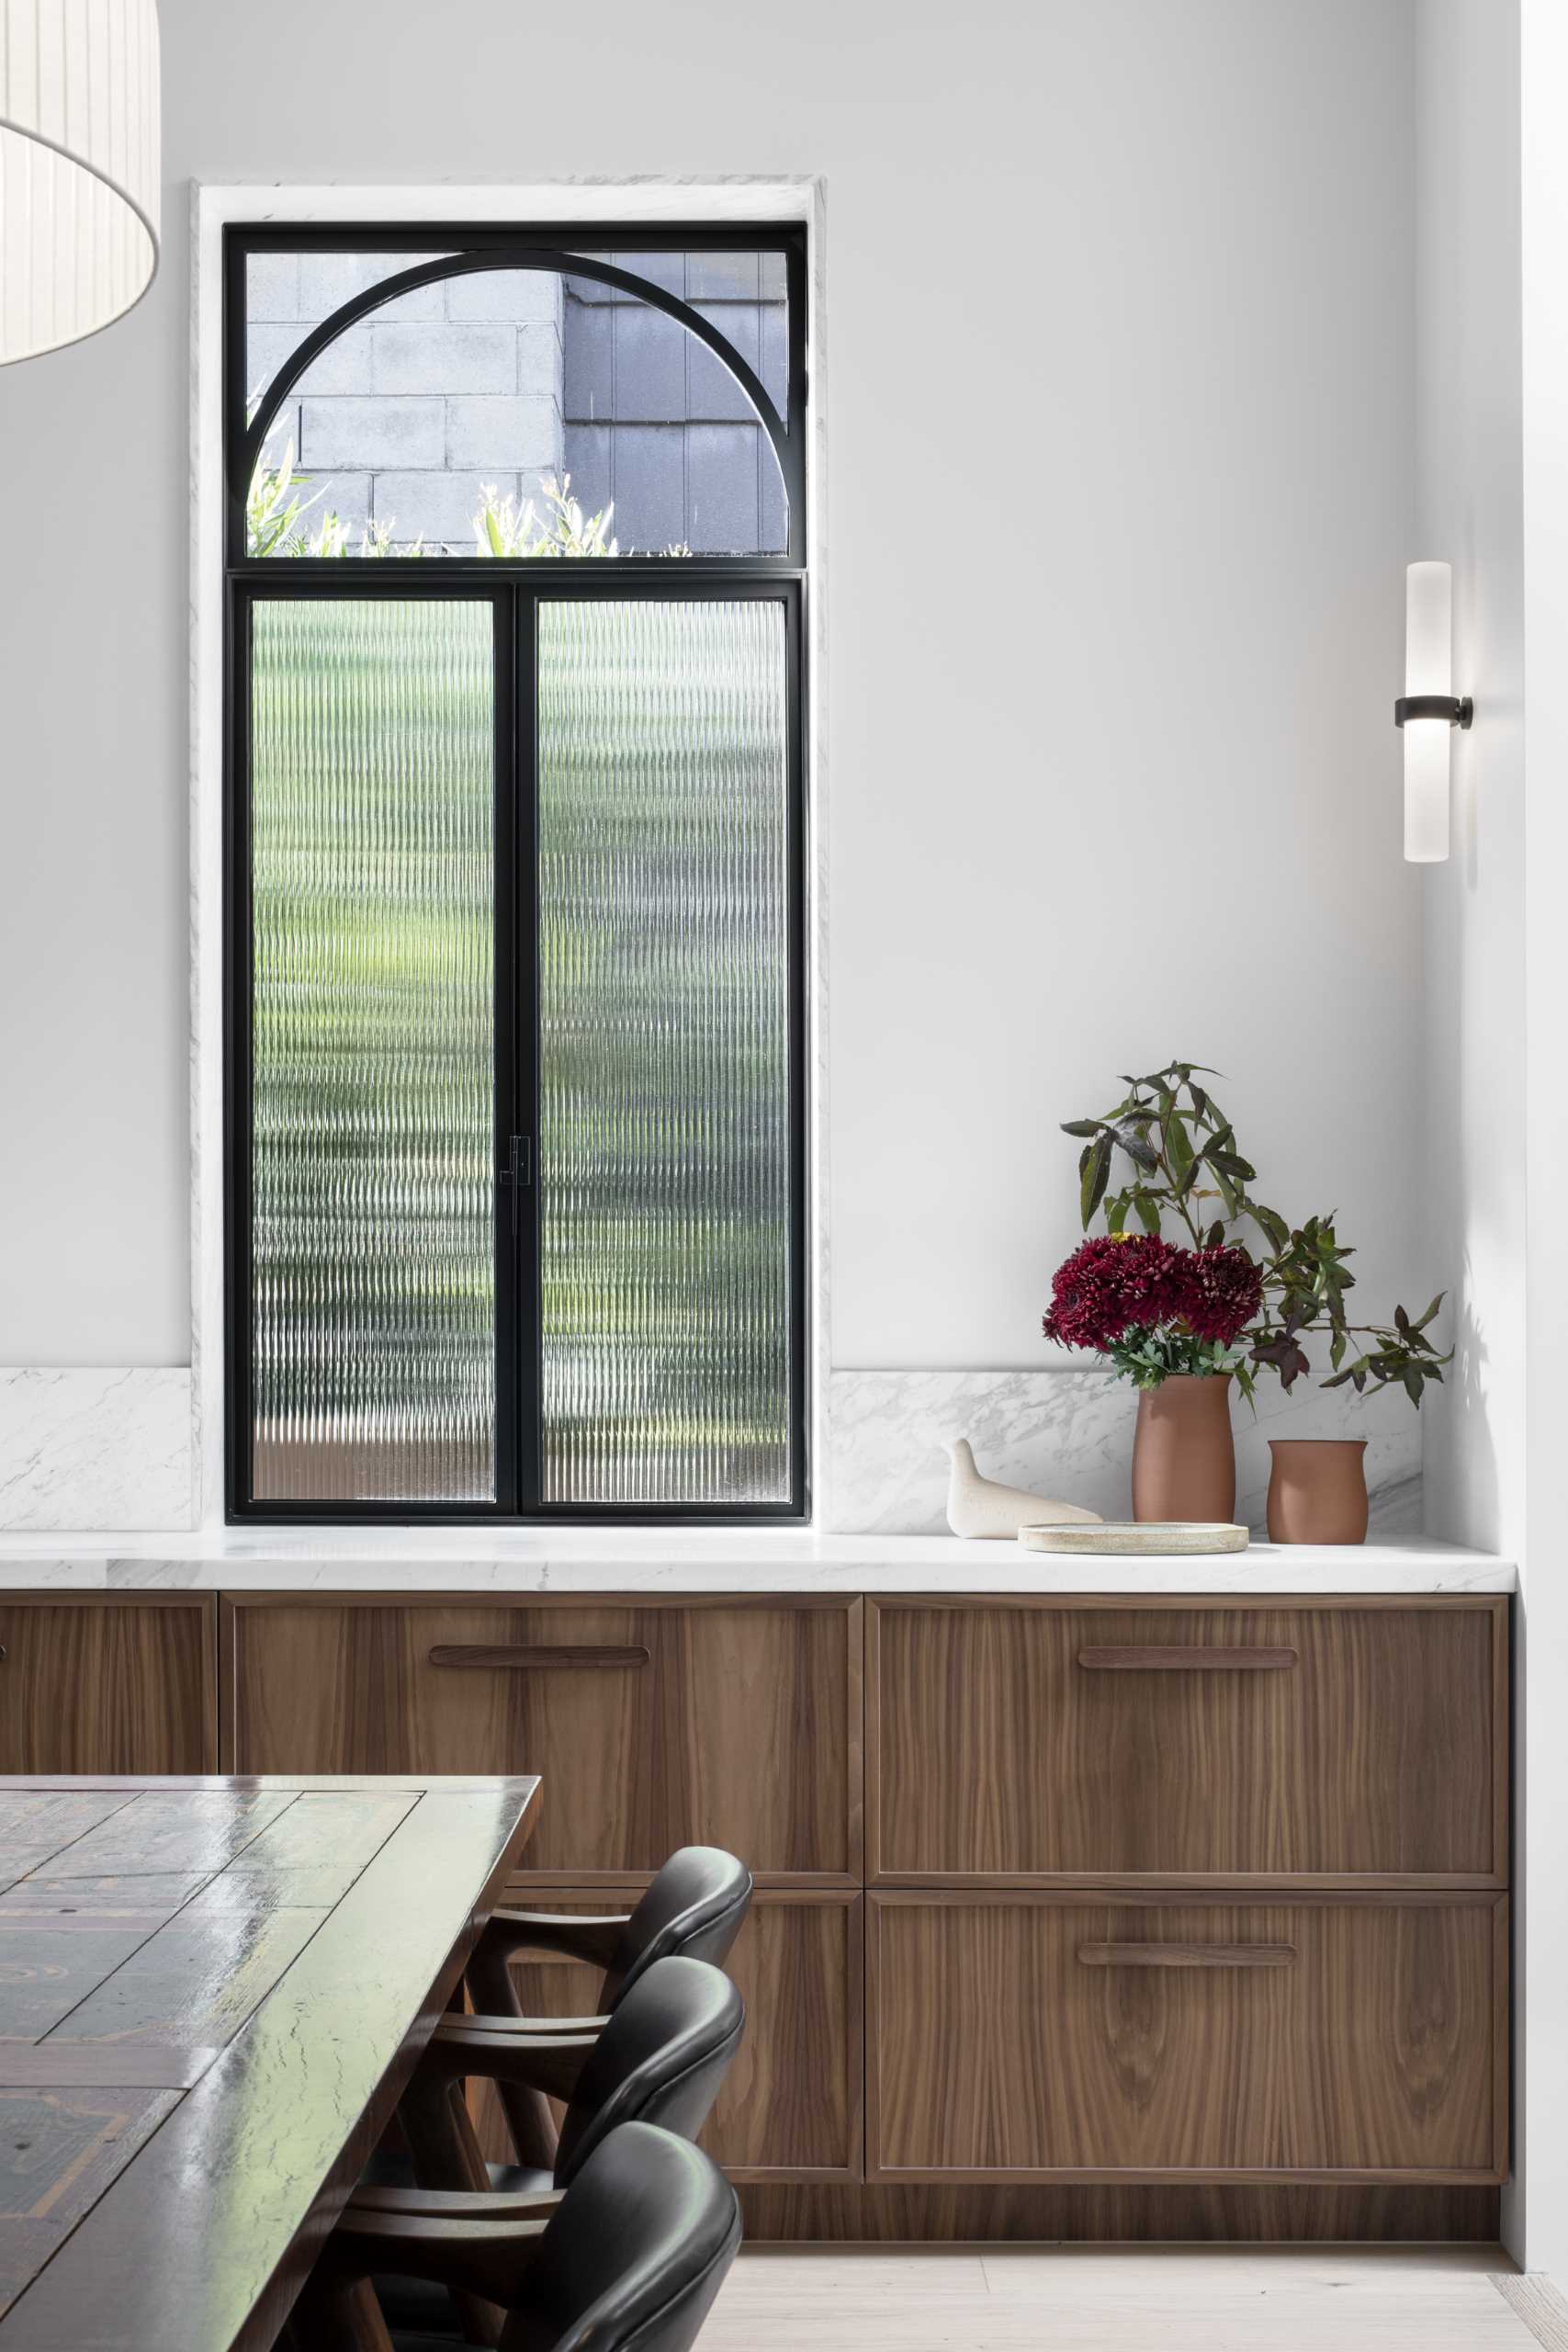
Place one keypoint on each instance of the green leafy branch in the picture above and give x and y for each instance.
(1146, 1358)
(1167, 1149)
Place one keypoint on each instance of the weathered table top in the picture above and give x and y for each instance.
(212, 1994)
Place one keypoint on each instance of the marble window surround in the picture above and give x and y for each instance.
(91, 1447)
(112, 1450)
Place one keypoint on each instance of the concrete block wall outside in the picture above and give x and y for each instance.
(344, 366)
(372, 432)
(327, 280)
(440, 507)
(411, 411)
(442, 358)
(526, 431)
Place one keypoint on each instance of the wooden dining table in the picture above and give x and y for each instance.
(212, 1994)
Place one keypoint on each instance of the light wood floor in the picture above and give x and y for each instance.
(1145, 2299)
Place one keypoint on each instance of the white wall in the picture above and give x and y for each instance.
(1112, 647)
(1544, 1597)
(94, 956)
(1469, 511)
(1493, 370)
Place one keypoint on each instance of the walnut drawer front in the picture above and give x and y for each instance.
(109, 1685)
(1187, 1742)
(790, 2107)
(1062, 2036)
(652, 1725)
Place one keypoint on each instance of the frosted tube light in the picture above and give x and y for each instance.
(1428, 670)
(79, 167)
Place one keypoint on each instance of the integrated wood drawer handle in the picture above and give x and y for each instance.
(1178, 1657)
(534, 1658)
(1186, 1955)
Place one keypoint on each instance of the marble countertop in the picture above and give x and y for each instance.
(704, 1559)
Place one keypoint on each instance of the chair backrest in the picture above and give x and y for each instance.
(635, 2252)
(693, 1909)
(660, 2059)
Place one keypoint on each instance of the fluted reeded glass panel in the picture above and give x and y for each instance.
(664, 1064)
(372, 790)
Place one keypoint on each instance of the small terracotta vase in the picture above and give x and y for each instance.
(1318, 1490)
(1183, 1455)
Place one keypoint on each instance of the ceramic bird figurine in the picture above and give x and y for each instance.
(978, 1507)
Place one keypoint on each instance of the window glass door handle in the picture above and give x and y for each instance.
(518, 1173)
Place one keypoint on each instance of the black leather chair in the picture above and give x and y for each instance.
(633, 2256)
(693, 1909)
(661, 2055)
(661, 2059)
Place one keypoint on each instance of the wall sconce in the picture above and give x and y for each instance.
(1428, 710)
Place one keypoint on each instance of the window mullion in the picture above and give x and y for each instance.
(525, 993)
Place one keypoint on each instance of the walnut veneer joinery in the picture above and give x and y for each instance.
(1378, 1754)
(99, 1683)
(742, 1729)
(1366, 2045)
(1357, 2050)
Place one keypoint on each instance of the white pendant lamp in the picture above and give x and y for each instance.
(79, 165)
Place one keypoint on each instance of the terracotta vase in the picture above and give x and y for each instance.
(1183, 1455)
(1318, 1490)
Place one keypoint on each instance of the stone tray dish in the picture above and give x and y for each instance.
(1160, 1537)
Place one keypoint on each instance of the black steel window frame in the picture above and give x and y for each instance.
(515, 590)
(459, 251)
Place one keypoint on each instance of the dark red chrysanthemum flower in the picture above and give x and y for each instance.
(1111, 1284)
(1216, 1291)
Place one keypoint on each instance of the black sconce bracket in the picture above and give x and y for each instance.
(1458, 709)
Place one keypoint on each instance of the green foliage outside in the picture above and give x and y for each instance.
(282, 520)
(661, 1001)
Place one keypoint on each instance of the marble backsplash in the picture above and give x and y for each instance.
(1069, 1434)
(94, 1449)
(91, 1447)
